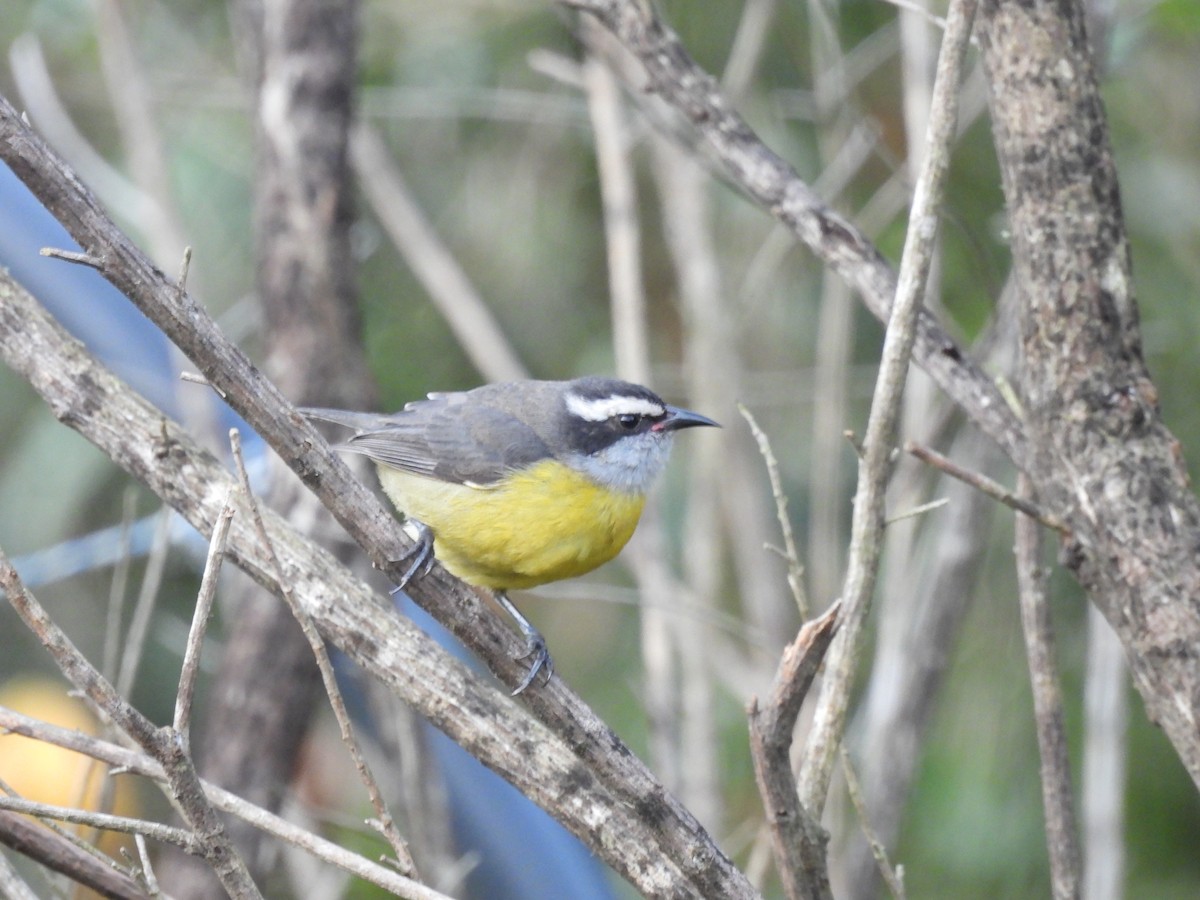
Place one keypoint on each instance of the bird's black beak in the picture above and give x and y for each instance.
(677, 418)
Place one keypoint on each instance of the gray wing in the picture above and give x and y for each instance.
(444, 438)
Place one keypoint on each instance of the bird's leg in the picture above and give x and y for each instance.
(535, 646)
(421, 553)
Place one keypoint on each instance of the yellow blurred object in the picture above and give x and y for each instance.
(49, 774)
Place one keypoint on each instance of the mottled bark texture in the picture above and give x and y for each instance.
(1103, 459)
(301, 57)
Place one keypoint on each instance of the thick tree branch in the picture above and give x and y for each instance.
(1105, 463)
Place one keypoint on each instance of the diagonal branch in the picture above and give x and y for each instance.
(770, 180)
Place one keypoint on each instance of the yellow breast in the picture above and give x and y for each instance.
(543, 524)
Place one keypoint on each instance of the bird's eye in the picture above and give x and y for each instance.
(629, 421)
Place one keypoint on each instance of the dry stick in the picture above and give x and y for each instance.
(876, 466)
(893, 876)
(918, 510)
(386, 825)
(143, 610)
(474, 326)
(268, 822)
(67, 834)
(105, 821)
(1062, 838)
(58, 854)
(161, 743)
(148, 875)
(797, 838)
(190, 670)
(986, 485)
(795, 571)
(674, 852)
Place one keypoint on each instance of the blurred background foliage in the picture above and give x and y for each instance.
(481, 106)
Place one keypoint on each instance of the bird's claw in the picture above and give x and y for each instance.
(535, 646)
(542, 662)
(421, 554)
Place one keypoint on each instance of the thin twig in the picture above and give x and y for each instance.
(795, 575)
(71, 256)
(185, 265)
(160, 743)
(986, 485)
(148, 875)
(387, 825)
(1062, 836)
(916, 511)
(796, 835)
(893, 876)
(67, 834)
(105, 821)
(143, 611)
(36, 842)
(876, 466)
(190, 670)
(139, 763)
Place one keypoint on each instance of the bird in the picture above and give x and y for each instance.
(518, 484)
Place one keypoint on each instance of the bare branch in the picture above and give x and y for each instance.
(162, 744)
(796, 836)
(105, 821)
(1107, 463)
(56, 853)
(268, 822)
(876, 466)
(1062, 838)
(986, 485)
(795, 576)
(404, 860)
(893, 876)
(190, 669)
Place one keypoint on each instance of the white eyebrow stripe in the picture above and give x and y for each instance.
(599, 409)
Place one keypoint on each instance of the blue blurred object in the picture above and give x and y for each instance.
(523, 853)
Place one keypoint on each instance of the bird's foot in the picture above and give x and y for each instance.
(540, 661)
(535, 646)
(421, 554)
